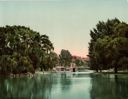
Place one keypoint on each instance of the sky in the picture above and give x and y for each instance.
(66, 22)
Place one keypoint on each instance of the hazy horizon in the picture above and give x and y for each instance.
(66, 22)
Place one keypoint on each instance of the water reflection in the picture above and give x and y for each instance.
(65, 86)
(109, 87)
(32, 88)
(65, 81)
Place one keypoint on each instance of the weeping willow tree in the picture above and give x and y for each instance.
(22, 49)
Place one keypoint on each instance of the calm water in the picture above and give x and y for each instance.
(65, 86)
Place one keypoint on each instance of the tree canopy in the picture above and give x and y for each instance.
(22, 49)
(65, 58)
(108, 47)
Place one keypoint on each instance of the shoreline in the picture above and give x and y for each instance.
(48, 72)
(23, 74)
(111, 72)
(17, 75)
(42, 72)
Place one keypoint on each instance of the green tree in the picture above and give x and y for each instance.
(22, 49)
(108, 45)
(65, 57)
(79, 62)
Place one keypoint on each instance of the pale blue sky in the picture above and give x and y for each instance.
(66, 22)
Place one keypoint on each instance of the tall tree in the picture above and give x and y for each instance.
(65, 57)
(108, 45)
(22, 49)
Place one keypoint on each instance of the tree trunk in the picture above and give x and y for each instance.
(115, 69)
(96, 70)
(41, 69)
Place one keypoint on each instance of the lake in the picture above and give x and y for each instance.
(65, 86)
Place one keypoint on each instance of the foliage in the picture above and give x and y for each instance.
(22, 49)
(80, 62)
(65, 58)
(108, 45)
(49, 61)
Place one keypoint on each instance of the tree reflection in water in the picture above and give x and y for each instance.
(65, 81)
(38, 87)
(109, 87)
(65, 85)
